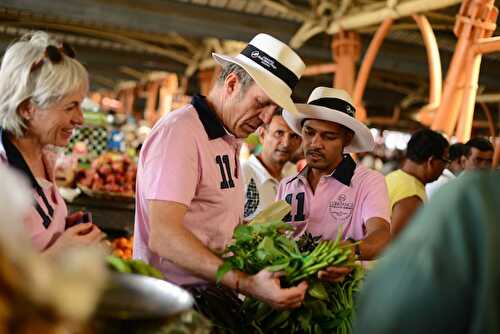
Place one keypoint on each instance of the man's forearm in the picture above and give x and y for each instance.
(183, 248)
(374, 243)
(171, 240)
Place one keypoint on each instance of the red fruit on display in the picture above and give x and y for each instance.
(111, 173)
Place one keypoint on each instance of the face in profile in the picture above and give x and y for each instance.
(437, 166)
(55, 124)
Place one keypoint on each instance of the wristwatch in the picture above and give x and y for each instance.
(357, 250)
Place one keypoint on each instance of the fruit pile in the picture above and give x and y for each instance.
(111, 173)
(122, 247)
(132, 267)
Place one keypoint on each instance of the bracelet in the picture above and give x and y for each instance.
(357, 250)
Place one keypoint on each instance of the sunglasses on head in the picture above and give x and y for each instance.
(54, 54)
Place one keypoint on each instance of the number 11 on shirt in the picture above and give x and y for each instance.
(299, 216)
(225, 171)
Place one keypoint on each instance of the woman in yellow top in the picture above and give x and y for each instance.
(426, 158)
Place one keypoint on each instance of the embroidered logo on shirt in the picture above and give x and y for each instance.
(253, 199)
(341, 209)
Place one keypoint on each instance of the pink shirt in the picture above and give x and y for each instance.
(42, 236)
(189, 158)
(347, 198)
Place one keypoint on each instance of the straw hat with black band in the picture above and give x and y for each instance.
(333, 105)
(273, 65)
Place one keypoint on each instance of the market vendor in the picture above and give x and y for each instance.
(262, 173)
(41, 88)
(333, 191)
(189, 194)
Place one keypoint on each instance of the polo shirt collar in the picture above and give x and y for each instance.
(343, 173)
(448, 173)
(345, 170)
(260, 171)
(15, 158)
(212, 124)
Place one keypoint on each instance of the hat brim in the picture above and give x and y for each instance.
(362, 140)
(275, 88)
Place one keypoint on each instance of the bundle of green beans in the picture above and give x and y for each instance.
(327, 253)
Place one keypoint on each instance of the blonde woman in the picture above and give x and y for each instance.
(41, 89)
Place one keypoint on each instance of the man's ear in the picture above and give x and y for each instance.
(463, 159)
(231, 84)
(348, 136)
(430, 160)
(26, 110)
(261, 131)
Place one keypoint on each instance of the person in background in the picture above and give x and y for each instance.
(333, 191)
(442, 274)
(478, 154)
(456, 152)
(262, 173)
(426, 158)
(393, 161)
(190, 196)
(41, 89)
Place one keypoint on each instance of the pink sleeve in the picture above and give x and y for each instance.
(171, 169)
(376, 199)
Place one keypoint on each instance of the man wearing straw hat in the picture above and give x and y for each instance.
(189, 185)
(332, 191)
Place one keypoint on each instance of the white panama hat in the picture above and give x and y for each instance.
(273, 65)
(333, 105)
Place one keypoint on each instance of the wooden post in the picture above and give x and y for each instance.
(496, 155)
(152, 93)
(489, 117)
(346, 47)
(366, 66)
(426, 113)
(467, 107)
(207, 79)
(475, 21)
(169, 87)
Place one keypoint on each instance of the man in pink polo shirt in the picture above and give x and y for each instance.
(332, 191)
(189, 184)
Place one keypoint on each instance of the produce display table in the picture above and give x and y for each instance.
(113, 216)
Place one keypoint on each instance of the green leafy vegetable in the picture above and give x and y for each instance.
(327, 308)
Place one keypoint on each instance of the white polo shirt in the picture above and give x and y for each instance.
(430, 188)
(260, 187)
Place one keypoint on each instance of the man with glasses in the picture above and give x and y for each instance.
(426, 158)
(451, 172)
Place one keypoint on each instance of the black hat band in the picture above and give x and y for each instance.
(336, 104)
(271, 64)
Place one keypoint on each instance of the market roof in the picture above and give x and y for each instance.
(121, 40)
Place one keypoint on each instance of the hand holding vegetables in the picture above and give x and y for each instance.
(335, 274)
(266, 286)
